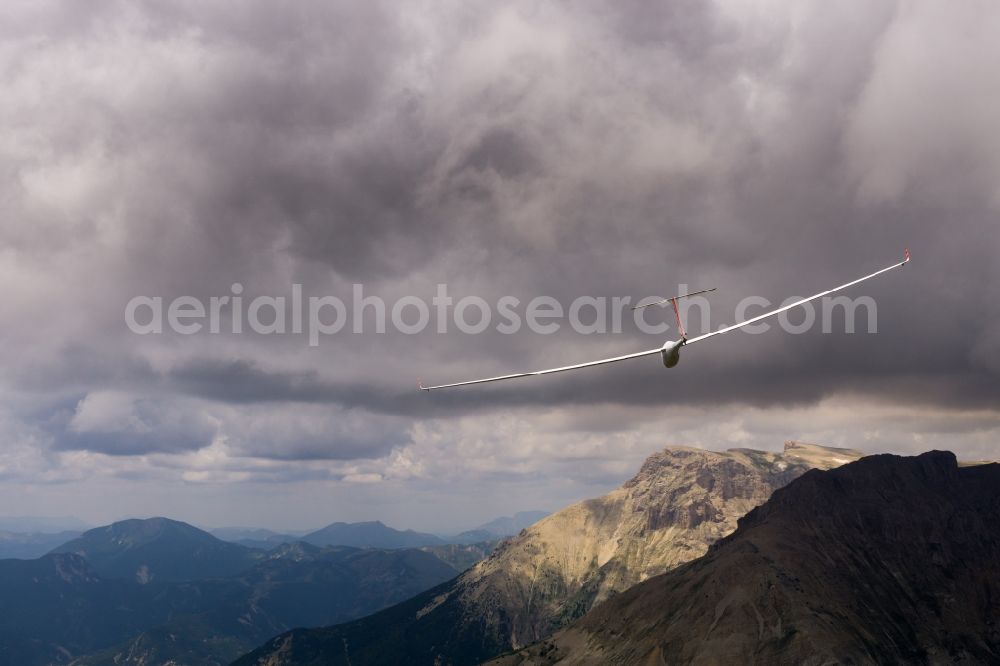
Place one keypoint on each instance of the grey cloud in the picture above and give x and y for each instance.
(241, 381)
(122, 424)
(558, 149)
(312, 432)
(132, 423)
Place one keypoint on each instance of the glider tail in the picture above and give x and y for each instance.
(673, 301)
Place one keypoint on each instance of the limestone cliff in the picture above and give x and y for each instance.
(888, 560)
(681, 501)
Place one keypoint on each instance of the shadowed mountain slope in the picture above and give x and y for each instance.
(294, 585)
(680, 502)
(888, 560)
(59, 610)
(57, 607)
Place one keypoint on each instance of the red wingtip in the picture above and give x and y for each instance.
(421, 386)
(906, 254)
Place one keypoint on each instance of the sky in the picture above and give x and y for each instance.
(522, 149)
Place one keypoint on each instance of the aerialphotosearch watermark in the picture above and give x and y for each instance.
(319, 317)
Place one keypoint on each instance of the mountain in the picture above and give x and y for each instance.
(295, 585)
(372, 534)
(681, 501)
(244, 533)
(57, 607)
(251, 537)
(499, 527)
(158, 549)
(60, 610)
(28, 546)
(467, 548)
(511, 525)
(888, 560)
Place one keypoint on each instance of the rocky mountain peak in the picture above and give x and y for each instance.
(868, 483)
(681, 501)
(886, 560)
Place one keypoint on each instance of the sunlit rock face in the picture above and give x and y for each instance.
(680, 502)
(888, 560)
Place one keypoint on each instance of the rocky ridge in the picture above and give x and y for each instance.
(889, 560)
(680, 502)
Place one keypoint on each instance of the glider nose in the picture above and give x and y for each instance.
(671, 352)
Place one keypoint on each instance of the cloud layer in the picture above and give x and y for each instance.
(553, 148)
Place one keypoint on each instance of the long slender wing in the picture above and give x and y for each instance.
(906, 259)
(564, 368)
(650, 352)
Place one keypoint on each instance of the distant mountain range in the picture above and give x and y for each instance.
(888, 560)
(28, 546)
(147, 591)
(158, 549)
(295, 585)
(255, 537)
(499, 527)
(681, 501)
(30, 537)
(161, 591)
(805, 556)
(375, 534)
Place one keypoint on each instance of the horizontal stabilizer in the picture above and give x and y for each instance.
(664, 301)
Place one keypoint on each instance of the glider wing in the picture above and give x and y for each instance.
(650, 352)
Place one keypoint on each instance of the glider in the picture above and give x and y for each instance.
(671, 350)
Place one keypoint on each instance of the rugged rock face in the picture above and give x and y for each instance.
(680, 502)
(888, 560)
(461, 557)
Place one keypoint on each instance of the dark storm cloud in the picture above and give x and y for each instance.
(313, 432)
(540, 148)
(244, 382)
(141, 423)
(162, 440)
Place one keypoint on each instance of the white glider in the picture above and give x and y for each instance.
(670, 351)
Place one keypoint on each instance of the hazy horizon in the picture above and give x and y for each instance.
(74, 523)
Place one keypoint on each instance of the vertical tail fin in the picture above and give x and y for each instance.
(673, 301)
(677, 314)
